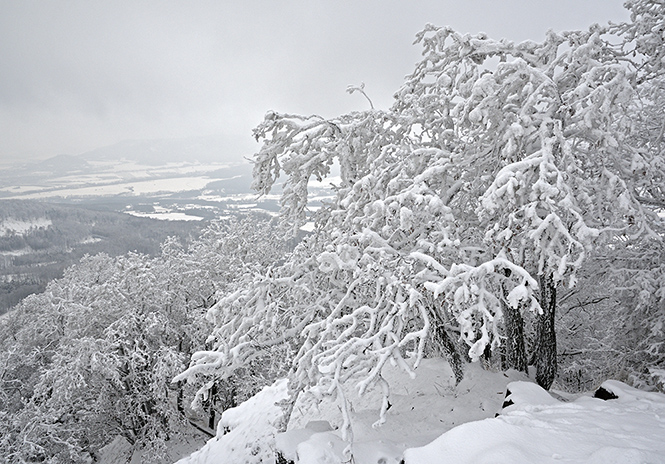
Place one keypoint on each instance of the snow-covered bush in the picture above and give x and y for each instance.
(246, 433)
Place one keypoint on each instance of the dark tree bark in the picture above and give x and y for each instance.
(545, 349)
(446, 345)
(212, 397)
(514, 356)
(180, 398)
(515, 352)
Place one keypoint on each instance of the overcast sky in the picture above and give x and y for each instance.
(78, 75)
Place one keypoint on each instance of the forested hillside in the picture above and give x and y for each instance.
(92, 357)
(38, 240)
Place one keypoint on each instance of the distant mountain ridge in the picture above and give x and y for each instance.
(61, 164)
(208, 149)
(151, 152)
(128, 161)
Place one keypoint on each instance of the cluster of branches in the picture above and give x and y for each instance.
(462, 210)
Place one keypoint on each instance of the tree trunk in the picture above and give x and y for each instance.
(545, 350)
(212, 397)
(515, 352)
(446, 345)
(180, 398)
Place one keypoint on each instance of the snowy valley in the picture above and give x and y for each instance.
(184, 179)
(54, 211)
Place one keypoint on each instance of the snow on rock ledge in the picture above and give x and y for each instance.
(421, 410)
(538, 428)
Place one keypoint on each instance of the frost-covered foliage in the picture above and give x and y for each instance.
(612, 324)
(93, 357)
(108, 337)
(461, 210)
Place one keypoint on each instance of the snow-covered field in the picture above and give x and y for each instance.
(124, 177)
(432, 421)
(166, 215)
(139, 187)
(155, 190)
(17, 226)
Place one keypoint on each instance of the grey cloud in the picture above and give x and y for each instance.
(75, 75)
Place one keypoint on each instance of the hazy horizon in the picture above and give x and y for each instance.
(77, 76)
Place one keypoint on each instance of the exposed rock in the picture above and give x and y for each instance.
(604, 394)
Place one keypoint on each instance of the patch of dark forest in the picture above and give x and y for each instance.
(31, 259)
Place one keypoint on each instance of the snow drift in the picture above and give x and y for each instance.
(532, 426)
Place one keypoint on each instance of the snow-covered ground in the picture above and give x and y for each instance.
(433, 421)
(18, 226)
(250, 431)
(166, 214)
(141, 187)
(540, 429)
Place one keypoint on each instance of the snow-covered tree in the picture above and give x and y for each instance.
(611, 323)
(93, 356)
(112, 350)
(462, 209)
(226, 252)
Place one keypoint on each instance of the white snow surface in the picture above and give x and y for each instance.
(433, 421)
(133, 188)
(245, 434)
(163, 214)
(17, 226)
(537, 428)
